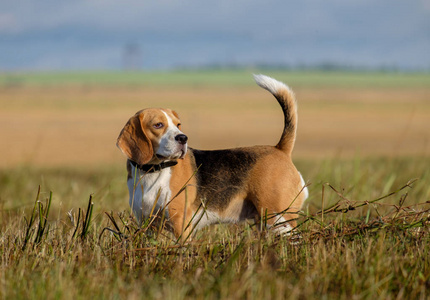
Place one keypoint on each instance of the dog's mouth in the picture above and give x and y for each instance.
(183, 152)
(179, 155)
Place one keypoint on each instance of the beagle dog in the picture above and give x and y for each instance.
(194, 188)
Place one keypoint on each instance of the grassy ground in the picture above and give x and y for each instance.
(379, 250)
(362, 145)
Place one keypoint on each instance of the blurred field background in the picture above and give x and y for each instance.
(67, 119)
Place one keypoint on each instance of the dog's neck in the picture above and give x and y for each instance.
(151, 168)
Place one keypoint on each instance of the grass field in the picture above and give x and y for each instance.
(217, 78)
(75, 120)
(363, 146)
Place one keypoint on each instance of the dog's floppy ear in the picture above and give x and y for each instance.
(133, 141)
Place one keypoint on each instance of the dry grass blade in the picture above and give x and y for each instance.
(43, 218)
(87, 220)
(351, 206)
(117, 232)
(30, 222)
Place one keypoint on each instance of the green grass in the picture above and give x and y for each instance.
(377, 251)
(222, 78)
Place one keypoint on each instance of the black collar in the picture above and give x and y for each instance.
(154, 168)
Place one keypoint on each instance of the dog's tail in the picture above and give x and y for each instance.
(287, 100)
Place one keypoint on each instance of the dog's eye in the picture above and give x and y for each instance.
(179, 125)
(158, 125)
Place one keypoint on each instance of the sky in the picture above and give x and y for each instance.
(55, 35)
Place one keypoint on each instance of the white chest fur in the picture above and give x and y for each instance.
(149, 192)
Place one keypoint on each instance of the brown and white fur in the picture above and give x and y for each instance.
(196, 188)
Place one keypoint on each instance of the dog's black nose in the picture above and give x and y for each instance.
(181, 138)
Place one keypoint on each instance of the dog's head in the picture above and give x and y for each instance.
(153, 135)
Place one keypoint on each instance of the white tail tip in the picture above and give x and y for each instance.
(270, 84)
